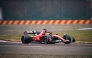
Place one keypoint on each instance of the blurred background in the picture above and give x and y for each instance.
(45, 9)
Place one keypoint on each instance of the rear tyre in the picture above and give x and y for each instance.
(49, 40)
(46, 40)
(67, 38)
(25, 39)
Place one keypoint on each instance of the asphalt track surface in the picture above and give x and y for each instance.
(47, 49)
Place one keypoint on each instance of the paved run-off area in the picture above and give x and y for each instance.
(19, 29)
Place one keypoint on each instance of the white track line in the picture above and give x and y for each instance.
(2, 41)
(85, 29)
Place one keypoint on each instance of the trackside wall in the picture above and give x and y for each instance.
(46, 9)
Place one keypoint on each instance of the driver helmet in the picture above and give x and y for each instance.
(45, 30)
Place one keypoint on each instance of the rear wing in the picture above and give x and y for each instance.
(33, 32)
(30, 32)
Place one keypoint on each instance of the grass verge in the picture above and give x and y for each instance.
(79, 35)
(11, 37)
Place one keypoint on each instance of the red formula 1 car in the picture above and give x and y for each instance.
(43, 38)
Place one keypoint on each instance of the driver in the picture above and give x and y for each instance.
(43, 32)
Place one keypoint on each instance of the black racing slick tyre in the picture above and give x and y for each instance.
(67, 38)
(25, 39)
(46, 40)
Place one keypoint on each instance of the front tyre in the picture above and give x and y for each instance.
(67, 38)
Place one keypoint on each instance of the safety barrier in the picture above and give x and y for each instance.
(20, 22)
